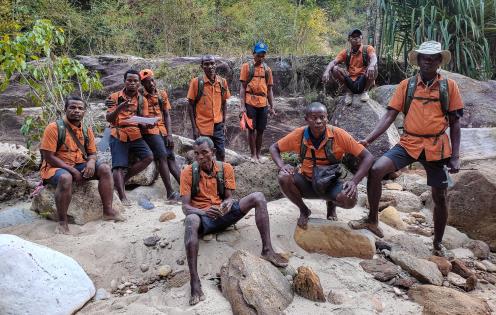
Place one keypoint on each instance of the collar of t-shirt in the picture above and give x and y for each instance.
(315, 141)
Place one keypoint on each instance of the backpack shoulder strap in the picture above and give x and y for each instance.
(86, 138)
(139, 110)
(60, 133)
(199, 92)
(251, 72)
(195, 169)
(365, 55)
(303, 147)
(329, 153)
(348, 58)
(266, 73)
(444, 95)
(410, 92)
(223, 88)
(220, 179)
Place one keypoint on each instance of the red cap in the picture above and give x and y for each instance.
(146, 73)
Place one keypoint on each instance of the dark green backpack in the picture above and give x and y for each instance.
(328, 151)
(201, 85)
(196, 179)
(251, 72)
(443, 95)
(365, 56)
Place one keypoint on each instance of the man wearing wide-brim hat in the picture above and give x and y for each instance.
(431, 104)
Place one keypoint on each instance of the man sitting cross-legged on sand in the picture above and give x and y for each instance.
(206, 190)
(69, 155)
(320, 147)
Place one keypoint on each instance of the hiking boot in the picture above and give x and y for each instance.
(348, 99)
(364, 97)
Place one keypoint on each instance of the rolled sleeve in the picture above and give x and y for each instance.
(291, 142)
(398, 100)
(49, 140)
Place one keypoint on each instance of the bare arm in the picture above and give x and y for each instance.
(277, 158)
(188, 208)
(381, 126)
(372, 68)
(366, 160)
(112, 116)
(455, 135)
(327, 71)
(191, 111)
(270, 98)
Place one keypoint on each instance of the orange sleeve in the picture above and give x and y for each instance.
(398, 99)
(91, 139)
(49, 140)
(228, 93)
(193, 89)
(229, 181)
(165, 97)
(455, 99)
(291, 142)
(341, 57)
(271, 79)
(186, 181)
(370, 50)
(245, 72)
(347, 142)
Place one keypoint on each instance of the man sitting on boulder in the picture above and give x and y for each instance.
(125, 134)
(69, 156)
(431, 104)
(206, 189)
(361, 68)
(207, 96)
(321, 147)
(159, 136)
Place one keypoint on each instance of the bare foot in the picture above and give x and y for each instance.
(62, 229)
(331, 211)
(276, 259)
(303, 219)
(116, 217)
(197, 294)
(366, 224)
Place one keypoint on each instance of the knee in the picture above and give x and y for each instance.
(192, 221)
(65, 181)
(284, 178)
(148, 159)
(104, 170)
(259, 198)
(376, 172)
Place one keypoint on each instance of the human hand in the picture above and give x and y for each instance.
(454, 165)
(89, 170)
(110, 102)
(226, 205)
(364, 142)
(350, 189)
(371, 72)
(214, 213)
(272, 112)
(287, 169)
(326, 75)
(76, 176)
(195, 133)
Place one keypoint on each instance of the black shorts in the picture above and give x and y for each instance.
(209, 225)
(436, 174)
(259, 115)
(306, 189)
(357, 86)
(218, 139)
(157, 145)
(120, 151)
(54, 180)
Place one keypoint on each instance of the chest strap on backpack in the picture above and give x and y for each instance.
(195, 168)
(327, 149)
(365, 56)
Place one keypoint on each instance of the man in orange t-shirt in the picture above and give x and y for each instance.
(73, 161)
(257, 99)
(424, 138)
(210, 208)
(207, 96)
(159, 136)
(321, 147)
(361, 68)
(126, 135)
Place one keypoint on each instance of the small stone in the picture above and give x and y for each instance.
(489, 278)
(391, 217)
(307, 284)
(479, 248)
(288, 271)
(151, 240)
(386, 252)
(167, 216)
(129, 291)
(101, 294)
(377, 304)
(163, 244)
(335, 297)
(471, 283)
(404, 282)
(144, 267)
(113, 285)
(442, 264)
(419, 230)
(461, 269)
(180, 261)
(127, 284)
(423, 270)
(169, 246)
(393, 186)
(479, 265)
(489, 265)
(397, 291)
(133, 287)
(462, 253)
(381, 244)
(455, 279)
(381, 269)
(117, 306)
(208, 237)
(446, 283)
(143, 289)
(164, 271)
(289, 277)
(121, 286)
(158, 261)
(418, 215)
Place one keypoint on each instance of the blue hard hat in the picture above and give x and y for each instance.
(260, 47)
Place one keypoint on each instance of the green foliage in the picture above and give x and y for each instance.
(178, 76)
(290, 158)
(30, 58)
(462, 26)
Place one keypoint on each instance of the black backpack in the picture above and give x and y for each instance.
(201, 85)
(328, 151)
(195, 167)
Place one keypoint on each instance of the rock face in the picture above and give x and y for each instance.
(413, 183)
(381, 269)
(253, 286)
(252, 177)
(446, 301)
(335, 239)
(472, 198)
(307, 284)
(391, 217)
(13, 156)
(423, 270)
(145, 178)
(411, 244)
(453, 238)
(85, 206)
(359, 120)
(403, 201)
(477, 144)
(39, 280)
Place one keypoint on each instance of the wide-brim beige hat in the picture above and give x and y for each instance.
(429, 48)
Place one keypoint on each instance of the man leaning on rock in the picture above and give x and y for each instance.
(69, 156)
(206, 189)
(431, 104)
(321, 147)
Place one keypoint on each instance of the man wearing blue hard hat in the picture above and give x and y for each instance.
(256, 97)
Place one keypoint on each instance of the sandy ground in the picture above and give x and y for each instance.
(109, 251)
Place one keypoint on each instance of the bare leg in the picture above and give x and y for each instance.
(106, 190)
(331, 211)
(63, 196)
(192, 223)
(289, 188)
(257, 200)
(174, 169)
(137, 167)
(440, 215)
(258, 143)
(118, 174)
(252, 142)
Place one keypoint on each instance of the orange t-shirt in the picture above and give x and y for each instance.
(154, 110)
(120, 129)
(69, 151)
(425, 119)
(209, 108)
(207, 195)
(257, 89)
(343, 143)
(356, 67)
